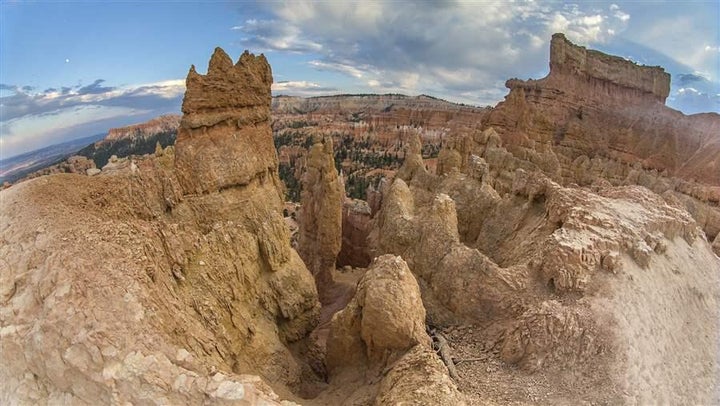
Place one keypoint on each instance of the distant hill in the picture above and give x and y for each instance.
(137, 139)
(19, 166)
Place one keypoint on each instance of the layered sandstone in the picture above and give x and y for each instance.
(166, 281)
(226, 113)
(566, 58)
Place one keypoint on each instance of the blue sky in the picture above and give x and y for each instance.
(71, 69)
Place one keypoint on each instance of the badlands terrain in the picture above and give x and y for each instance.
(558, 248)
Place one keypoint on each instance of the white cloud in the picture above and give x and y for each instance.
(338, 67)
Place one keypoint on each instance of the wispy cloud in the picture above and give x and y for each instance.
(301, 88)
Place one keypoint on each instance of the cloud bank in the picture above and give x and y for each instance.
(461, 51)
(30, 118)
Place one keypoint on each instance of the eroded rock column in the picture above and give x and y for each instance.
(320, 221)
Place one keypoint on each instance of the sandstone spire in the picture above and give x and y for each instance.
(190, 283)
(321, 214)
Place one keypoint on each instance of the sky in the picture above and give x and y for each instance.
(70, 69)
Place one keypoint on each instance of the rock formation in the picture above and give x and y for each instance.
(575, 278)
(320, 217)
(564, 243)
(226, 113)
(597, 116)
(166, 281)
(383, 328)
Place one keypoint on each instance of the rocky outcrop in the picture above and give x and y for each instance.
(383, 329)
(651, 82)
(385, 318)
(166, 281)
(561, 268)
(320, 217)
(417, 378)
(226, 113)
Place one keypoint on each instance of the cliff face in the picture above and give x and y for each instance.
(167, 280)
(365, 103)
(648, 82)
(166, 123)
(601, 117)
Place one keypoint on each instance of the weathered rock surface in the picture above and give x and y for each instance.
(417, 378)
(226, 113)
(385, 318)
(559, 266)
(168, 280)
(320, 217)
(382, 330)
(648, 82)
